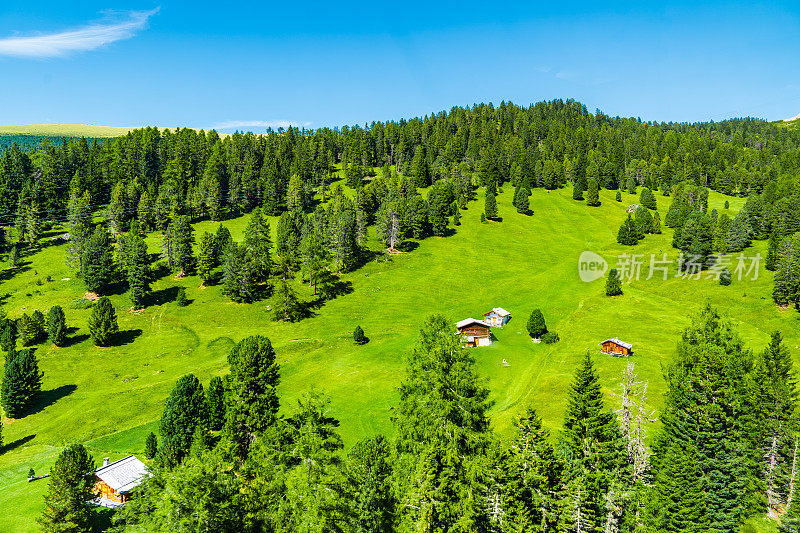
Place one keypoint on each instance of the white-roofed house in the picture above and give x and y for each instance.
(474, 332)
(114, 481)
(497, 317)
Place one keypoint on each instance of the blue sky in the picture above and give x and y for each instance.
(209, 65)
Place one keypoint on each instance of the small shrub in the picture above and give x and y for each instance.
(725, 277)
(619, 196)
(181, 300)
(358, 336)
(31, 473)
(727, 205)
(551, 337)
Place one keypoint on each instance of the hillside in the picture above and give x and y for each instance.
(110, 398)
(65, 130)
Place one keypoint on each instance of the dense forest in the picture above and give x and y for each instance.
(226, 460)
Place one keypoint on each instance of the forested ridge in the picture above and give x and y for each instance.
(226, 460)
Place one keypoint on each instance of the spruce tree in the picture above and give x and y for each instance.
(490, 206)
(536, 325)
(577, 190)
(239, 282)
(592, 438)
(628, 232)
(773, 245)
(56, 326)
(656, 227)
(369, 476)
(69, 491)
(151, 445)
(8, 337)
(253, 404)
(222, 241)
(98, 261)
(593, 193)
(258, 243)
(725, 277)
(33, 328)
(358, 336)
(286, 306)
(613, 286)
(440, 477)
(182, 239)
(103, 322)
(135, 262)
(618, 196)
(21, 382)
(184, 410)
(13, 257)
(521, 200)
(180, 299)
(708, 408)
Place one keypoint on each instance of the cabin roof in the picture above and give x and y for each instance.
(467, 321)
(123, 475)
(499, 310)
(618, 342)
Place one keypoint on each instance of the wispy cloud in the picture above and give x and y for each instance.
(274, 124)
(115, 27)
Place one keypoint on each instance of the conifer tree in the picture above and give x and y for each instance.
(13, 257)
(239, 282)
(135, 262)
(8, 338)
(592, 439)
(521, 200)
(773, 245)
(56, 326)
(98, 261)
(258, 243)
(577, 190)
(151, 445)
(286, 305)
(181, 235)
(618, 196)
(440, 485)
(525, 487)
(253, 404)
(180, 298)
(222, 241)
(593, 193)
(536, 325)
(648, 199)
(69, 491)
(358, 336)
(103, 322)
(33, 328)
(613, 286)
(79, 219)
(709, 376)
(369, 476)
(490, 206)
(21, 382)
(215, 399)
(184, 410)
(656, 227)
(725, 277)
(628, 232)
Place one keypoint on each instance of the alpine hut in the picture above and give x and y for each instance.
(497, 317)
(474, 332)
(114, 481)
(616, 347)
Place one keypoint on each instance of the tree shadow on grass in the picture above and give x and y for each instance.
(163, 296)
(408, 246)
(102, 519)
(72, 340)
(46, 398)
(127, 336)
(17, 443)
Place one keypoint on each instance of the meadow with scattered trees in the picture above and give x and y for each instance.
(262, 317)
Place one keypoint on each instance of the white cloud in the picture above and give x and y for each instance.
(81, 39)
(274, 124)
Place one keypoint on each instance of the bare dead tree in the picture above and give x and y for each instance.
(792, 476)
(633, 416)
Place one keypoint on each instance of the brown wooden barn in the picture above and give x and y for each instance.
(474, 332)
(114, 481)
(616, 347)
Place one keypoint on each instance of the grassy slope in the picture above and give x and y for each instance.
(66, 130)
(111, 397)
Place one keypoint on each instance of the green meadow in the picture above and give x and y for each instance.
(111, 398)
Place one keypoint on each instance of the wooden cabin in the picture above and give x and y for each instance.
(497, 317)
(616, 347)
(474, 332)
(114, 481)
